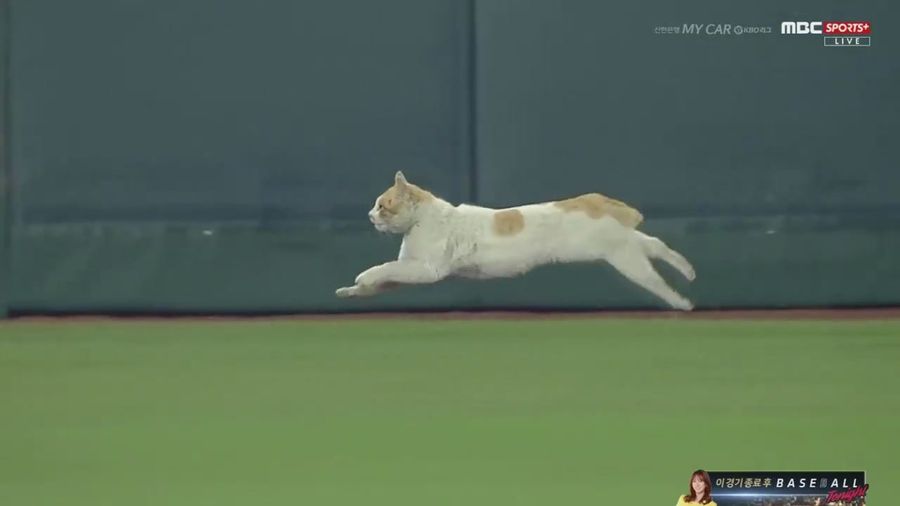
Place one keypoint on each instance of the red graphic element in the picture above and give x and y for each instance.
(847, 495)
(846, 27)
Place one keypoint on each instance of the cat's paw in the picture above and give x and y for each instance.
(683, 305)
(347, 291)
(690, 273)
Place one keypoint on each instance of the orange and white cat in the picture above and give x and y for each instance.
(442, 240)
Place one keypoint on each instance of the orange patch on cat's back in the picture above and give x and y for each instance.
(509, 222)
(596, 205)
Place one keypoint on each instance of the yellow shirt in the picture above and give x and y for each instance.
(682, 501)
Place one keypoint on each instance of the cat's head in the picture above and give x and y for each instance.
(397, 209)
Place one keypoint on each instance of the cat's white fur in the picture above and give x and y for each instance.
(442, 240)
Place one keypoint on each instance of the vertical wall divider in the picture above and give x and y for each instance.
(471, 124)
(6, 179)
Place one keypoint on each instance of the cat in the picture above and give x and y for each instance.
(442, 240)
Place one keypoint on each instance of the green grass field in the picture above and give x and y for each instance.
(417, 412)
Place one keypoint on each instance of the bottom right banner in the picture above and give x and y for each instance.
(788, 488)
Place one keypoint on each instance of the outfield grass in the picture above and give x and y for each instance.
(436, 413)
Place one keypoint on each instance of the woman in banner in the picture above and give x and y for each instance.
(700, 490)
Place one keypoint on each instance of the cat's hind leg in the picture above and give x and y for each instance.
(634, 265)
(655, 248)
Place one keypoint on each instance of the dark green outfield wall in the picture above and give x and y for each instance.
(208, 155)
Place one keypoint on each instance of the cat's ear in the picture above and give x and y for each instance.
(400, 179)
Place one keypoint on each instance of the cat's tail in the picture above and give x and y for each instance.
(655, 248)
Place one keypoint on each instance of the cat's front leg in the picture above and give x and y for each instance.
(380, 278)
(370, 276)
(363, 291)
(401, 271)
(367, 283)
(348, 291)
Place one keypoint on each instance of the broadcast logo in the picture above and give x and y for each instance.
(836, 33)
(788, 488)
